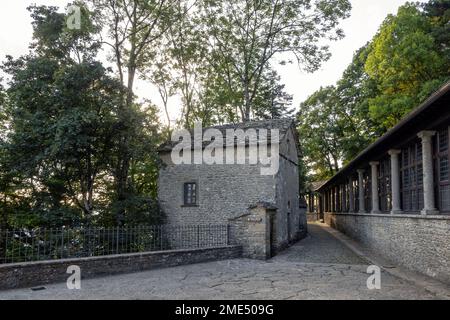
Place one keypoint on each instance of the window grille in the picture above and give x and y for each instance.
(190, 194)
(412, 177)
(368, 191)
(384, 183)
(443, 174)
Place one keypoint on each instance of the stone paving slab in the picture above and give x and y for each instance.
(319, 267)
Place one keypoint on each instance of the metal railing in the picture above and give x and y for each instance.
(51, 244)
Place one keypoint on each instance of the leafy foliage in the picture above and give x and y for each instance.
(406, 64)
(244, 37)
(64, 114)
(406, 61)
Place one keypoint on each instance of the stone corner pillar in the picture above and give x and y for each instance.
(375, 195)
(361, 191)
(252, 230)
(395, 181)
(428, 176)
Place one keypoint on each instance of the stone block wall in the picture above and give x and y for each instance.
(312, 216)
(291, 219)
(224, 191)
(419, 243)
(31, 274)
(252, 231)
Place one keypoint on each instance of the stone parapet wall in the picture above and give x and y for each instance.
(30, 274)
(419, 243)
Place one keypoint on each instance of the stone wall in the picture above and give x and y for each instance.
(312, 216)
(30, 274)
(419, 243)
(224, 191)
(253, 230)
(291, 219)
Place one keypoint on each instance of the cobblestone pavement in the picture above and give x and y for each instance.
(319, 267)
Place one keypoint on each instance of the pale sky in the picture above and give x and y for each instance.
(366, 17)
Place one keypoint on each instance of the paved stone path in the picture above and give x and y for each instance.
(319, 267)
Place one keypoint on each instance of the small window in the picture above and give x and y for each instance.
(190, 194)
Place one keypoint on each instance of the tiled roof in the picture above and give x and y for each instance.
(433, 111)
(282, 125)
(314, 186)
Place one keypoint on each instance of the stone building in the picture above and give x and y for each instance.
(394, 197)
(312, 198)
(234, 193)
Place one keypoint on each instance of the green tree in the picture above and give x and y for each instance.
(65, 126)
(403, 64)
(61, 128)
(320, 132)
(244, 37)
(406, 63)
(438, 11)
(272, 102)
(354, 91)
(134, 28)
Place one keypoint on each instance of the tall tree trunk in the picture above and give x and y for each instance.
(247, 102)
(124, 156)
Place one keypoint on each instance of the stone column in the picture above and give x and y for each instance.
(338, 198)
(310, 200)
(329, 201)
(395, 181)
(351, 197)
(335, 200)
(375, 195)
(361, 191)
(428, 178)
(344, 198)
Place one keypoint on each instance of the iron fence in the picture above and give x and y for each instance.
(50, 244)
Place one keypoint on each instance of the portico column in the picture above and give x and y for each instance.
(351, 198)
(332, 199)
(336, 199)
(395, 181)
(361, 191)
(428, 178)
(375, 196)
(327, 197)
(330, 207)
